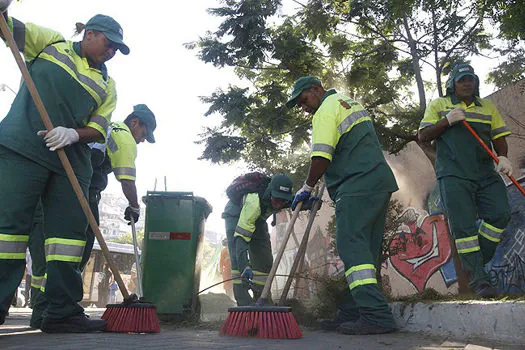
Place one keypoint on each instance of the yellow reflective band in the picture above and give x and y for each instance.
(359, 268)
(13, 256)
(247, 239)
(65, 241)
(362, 282)
(13, 247)
(61, 249)
(14, 238)
(37, 281)
(467, 245)
(490, 232)
(360, 275)
(43, 288)
(259, 277)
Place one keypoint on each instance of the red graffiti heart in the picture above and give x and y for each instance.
(423, 251)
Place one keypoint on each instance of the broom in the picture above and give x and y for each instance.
(491, 154)
(262, 321)
(136, 317)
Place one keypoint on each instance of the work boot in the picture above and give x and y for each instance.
(2, 318)
(36, 322)
(73, 324)
(363, 327)
(486, 291)
(333, 324)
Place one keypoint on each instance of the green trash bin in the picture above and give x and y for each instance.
(171, 267)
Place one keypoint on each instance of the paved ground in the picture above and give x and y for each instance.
(15, 334)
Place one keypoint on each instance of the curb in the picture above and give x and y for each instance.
(490, 320)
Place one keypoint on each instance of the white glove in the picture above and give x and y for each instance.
(504, 166)
(455, 116)
(59, 137)
(4, 4)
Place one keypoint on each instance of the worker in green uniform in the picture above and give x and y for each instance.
(345, 149)
(470, 185)
(121, 153)
(117, 155)
(248, 238)
(79, 96)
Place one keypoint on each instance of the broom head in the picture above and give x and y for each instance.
(132, 316)
(273, 322)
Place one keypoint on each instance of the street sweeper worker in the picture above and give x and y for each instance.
(345, 149)
(468, 179)
(116, 155)
(79, 96)
(247, 232)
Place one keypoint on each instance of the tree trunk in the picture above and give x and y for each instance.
(435, 48)
(415, 64)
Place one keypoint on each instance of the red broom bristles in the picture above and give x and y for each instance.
(260, 323)
(131, 318)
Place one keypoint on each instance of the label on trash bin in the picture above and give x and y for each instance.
(170, 236)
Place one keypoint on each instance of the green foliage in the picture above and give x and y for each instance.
(373, 50)
(127, 238)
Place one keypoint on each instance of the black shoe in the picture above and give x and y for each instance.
(35, 323)
(486, 291)
(2, 318)
(74, 324)
(332, 324)
(363, 327)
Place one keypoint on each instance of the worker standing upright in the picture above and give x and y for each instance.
(345, 149)
(247, 232)
(469, 184)
(79, 96)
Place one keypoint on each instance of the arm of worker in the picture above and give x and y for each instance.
(60, 137)
(432, 126)
(250, 212)
(130, 192)
(499, 132)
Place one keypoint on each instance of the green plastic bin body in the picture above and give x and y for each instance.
(171, 270)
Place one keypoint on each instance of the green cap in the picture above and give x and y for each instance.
(111, 29)
(462, 70)
(142, 112)
(281, 187)
(301, 84)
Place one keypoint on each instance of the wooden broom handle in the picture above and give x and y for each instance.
(61, 154)
(469, 128)
(277, 260)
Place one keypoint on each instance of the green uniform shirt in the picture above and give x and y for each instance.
(74, 94)
(458, 152)
(253, 210)
(342, 132)
(122, 152)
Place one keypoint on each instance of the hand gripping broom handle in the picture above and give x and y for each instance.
(61, 154)
(277, 260)
(469, 128)
(302, 248)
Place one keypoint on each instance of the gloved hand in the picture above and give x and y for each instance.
(504, 166)
(4, 4)
(455, 116)
(310, 203)
(247, 275)
(131, 213)
(302, 195)
(59, 137)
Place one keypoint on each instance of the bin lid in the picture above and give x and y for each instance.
(201, 202)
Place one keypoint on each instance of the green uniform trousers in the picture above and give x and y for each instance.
(465, 202)
(94, 200)
(23, 183)
(360, 222)
(259, 250)
(38, 266)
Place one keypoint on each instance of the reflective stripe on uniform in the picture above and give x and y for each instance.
(62, 249)
(423, 125)
(37, 281)
(490, 232)
(498, 131)
(471, 116)
(259, 277)
(100, 120)
(467, 245)
(351, 119)
(360, 275)
(125, 171)
(13, 247)
(321, 147)
(112, 145)
(236, 275)
(66, 60)
(243, 232)
(19, 34)
(44, 281)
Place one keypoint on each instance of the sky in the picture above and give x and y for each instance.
(166, 76)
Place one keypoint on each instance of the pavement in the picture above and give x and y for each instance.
(16, 334)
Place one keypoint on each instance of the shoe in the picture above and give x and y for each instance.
(73, 324)
(35, 323)
(332, 324)
(363, 327)
(2, 318)
(486, 291)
